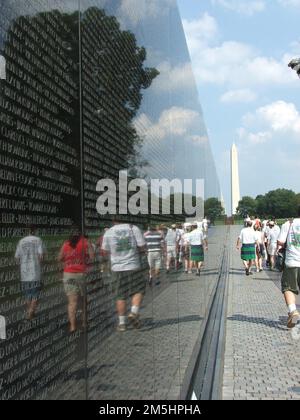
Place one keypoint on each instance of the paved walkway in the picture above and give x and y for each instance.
(151, 363)
(262, 361)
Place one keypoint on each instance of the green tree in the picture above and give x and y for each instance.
(281, 203)
(213, 209)
(247, 206)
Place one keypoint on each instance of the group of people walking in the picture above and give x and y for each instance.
(125, 255)
(266, 245)
(258, 244)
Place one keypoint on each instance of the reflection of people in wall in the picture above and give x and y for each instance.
(103, 259)
(2, 68)
(76, 254)
(124, 243)
(29, 254)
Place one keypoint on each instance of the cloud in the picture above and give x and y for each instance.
(272, 122)
(258, 138)
(231, 63)
(245, 7)
(173, 122)
(135, 11)
(200, 32)
(174, 78)
(199, 140)
(238, 96)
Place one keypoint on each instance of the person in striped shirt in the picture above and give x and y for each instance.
(154, 241)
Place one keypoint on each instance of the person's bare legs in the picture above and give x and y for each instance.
(134, 316)
(290, 298)
(246, 264)
(272, 261)
(72, 308)
(169, 261)
(31, 309)
(121, 307)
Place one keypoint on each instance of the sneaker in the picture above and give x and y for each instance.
(294, 317)
(121, 328)
(134, 320)
(247, 272)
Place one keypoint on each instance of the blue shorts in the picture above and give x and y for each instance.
(31, 290)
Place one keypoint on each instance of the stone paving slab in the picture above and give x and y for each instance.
(262, 360)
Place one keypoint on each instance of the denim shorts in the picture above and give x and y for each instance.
(31, 290)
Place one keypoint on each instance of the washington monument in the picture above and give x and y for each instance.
(235, 180)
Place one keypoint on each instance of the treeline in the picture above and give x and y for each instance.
(280, 203)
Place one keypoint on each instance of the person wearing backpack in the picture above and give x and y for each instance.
(290, 238)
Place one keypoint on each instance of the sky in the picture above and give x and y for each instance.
(240, 50)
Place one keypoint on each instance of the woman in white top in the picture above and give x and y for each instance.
(247, 244)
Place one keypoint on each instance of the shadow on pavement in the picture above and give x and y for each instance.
(150, 324)
(279, 325)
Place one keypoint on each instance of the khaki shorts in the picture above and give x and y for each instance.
(272, 248)
(171, 251)
(154, 260)
(74, 283)
(290, 281)
(126, 284)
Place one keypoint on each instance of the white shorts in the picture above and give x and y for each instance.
(154, 260)
(171, 251)
(272, 249)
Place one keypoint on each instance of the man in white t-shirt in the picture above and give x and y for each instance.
(290, 237)
(272, 238)
(125, 243)
(205, 225)
(29, 254)
(172, 240)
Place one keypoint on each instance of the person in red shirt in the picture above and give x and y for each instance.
(76, 254)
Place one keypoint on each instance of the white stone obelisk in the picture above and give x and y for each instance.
(235, 180)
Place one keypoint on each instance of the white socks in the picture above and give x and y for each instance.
(135, 310)
(122, 320)
(292, 308)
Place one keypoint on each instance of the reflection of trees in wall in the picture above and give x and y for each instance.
(113, 77)
(41, 97)
(116, 69)
(111, 73)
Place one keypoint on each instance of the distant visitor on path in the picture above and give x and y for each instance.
(29, 255)
(155, 244)
(247, 243)
(290, 239)
(273, 234)
(198, 241)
